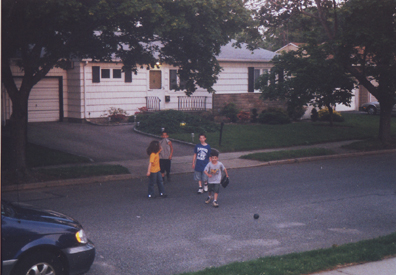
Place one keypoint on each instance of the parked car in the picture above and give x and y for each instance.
(373, 108)
(42, 242)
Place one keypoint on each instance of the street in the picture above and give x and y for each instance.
(302, 207)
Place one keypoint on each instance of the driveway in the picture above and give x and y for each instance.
(99, 143)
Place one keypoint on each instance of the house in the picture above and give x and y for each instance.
(87, 89)
(360, 94)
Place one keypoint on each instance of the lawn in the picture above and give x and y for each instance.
(311, 261)
(246, 137)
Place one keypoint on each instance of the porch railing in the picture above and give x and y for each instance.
(191, 103)
(153, 103)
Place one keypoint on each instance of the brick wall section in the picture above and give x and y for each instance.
(244, 102)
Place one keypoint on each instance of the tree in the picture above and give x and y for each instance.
(363, 38)
(40, 35)
(315, 79)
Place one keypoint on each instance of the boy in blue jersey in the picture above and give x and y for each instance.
(200, 160)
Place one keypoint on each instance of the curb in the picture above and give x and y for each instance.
(100, 179)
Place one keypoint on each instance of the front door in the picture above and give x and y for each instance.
(155, 80)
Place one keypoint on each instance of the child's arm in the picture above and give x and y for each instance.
(225, 171)
(194, 158)
(148, 170)
(206, 173)
(171, 149)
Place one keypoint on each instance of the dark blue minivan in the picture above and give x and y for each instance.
(42, 242)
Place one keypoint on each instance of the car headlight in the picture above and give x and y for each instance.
(81, 237)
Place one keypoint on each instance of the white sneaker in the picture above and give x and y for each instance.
(205, 188)
(200, 190)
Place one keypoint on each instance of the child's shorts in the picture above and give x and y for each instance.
(214, 187)
(200, 176)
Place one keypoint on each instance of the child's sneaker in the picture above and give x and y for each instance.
(200, 190)
(208, 200)
(206, 188)
(215, 204)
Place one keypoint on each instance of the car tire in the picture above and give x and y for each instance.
(43, 263)
(372, 110)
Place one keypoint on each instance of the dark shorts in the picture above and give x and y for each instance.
(214, 187)
(165, 165)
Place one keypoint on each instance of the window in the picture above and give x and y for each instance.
(105, 73)
(95, 74)
(253, 76)
(256, 74)
(116, 73)
(175, 82)
(155, 80)
(128, 76)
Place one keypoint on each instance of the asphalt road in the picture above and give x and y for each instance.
(301, 206)
(99, 143)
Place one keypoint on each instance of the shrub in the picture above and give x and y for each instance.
(324, 115)
(253, 116)
(295, 113)
(314, 115)
(116, 114)
(274, 116)
(230, 111)
(243, 116)
(171, 119)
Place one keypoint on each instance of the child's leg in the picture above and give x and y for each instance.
(152, 180)
(162, 166)
(216, 195)
(167, 169)
(209, 199)
(205, 182)
(216, 189)
(160, 184)
(198, 177)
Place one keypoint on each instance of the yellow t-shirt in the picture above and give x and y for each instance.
(155, 165)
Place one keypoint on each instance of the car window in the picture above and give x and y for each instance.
(7, 210)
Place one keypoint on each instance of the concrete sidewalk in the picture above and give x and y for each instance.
(183, 164)
(384, 267)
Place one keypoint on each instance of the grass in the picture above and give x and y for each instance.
(246, 137)
(369, 145)
(311, 261)
(289, 154)
(39, 156)
(82, 171)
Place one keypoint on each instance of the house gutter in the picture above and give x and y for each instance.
(243, 60)
(85, 88)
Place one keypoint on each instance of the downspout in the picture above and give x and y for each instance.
(85, 87)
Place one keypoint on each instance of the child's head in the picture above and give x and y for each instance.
(202, 138)
(154, 147)
(164, 134)
(214, 155)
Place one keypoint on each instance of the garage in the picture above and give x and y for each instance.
(44, 103)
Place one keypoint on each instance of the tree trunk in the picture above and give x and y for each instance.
(385, 122)
(18, 131)
(330, 109)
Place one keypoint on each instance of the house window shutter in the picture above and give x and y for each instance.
(250, 79)
(95, 74)
(128, 76)
(172, 79)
